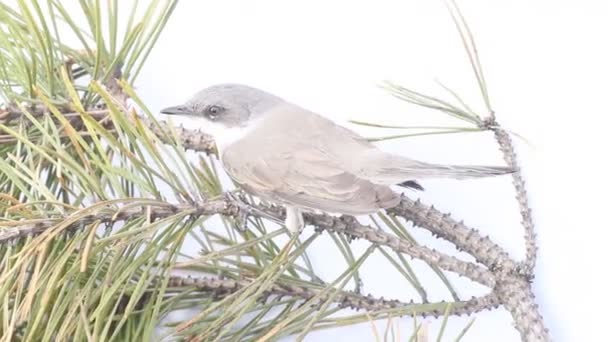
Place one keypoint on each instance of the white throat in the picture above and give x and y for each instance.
(223, 136)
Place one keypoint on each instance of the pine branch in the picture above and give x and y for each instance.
(517, 297)
(346, 299)
(20, 229)
(506, 147)
(190, 139)
(351, 227)
(321, 222)
(463, 237)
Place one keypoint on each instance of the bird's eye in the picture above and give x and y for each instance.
(214, 111)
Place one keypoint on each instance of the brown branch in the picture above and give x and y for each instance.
(345, 225)
(351, 227)
(506, 146)
(74, 118)
(190, 139)
(516, 292)
(222, 287)
(19, 229)
(464, 238)
(517, 297)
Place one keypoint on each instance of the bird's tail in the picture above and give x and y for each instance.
(424, 170)
(395, 170)
(390, 169)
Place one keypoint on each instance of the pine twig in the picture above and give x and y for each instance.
(190, 139)
(506, 147)
(351, 227)
(321, 222)
(517, 297)
(10, 231)
(463, 237)
(346, 299)
(515, 293)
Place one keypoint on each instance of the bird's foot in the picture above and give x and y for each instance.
(238, 198)
(247, 209)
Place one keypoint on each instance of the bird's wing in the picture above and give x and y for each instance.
(305, 176)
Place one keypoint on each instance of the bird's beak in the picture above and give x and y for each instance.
(176, 110)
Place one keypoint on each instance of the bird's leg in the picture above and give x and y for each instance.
(293, 219)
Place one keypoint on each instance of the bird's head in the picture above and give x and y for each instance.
(226, 111)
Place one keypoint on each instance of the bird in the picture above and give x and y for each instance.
(290, 156)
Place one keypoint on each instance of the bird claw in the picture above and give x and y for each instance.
(239, 198)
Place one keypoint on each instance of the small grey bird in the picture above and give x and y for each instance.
(288, 155)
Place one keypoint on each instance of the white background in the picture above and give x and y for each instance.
(545, 63)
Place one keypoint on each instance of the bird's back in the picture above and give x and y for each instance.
(306, 160)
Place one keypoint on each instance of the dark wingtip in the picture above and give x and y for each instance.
(410, 184)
